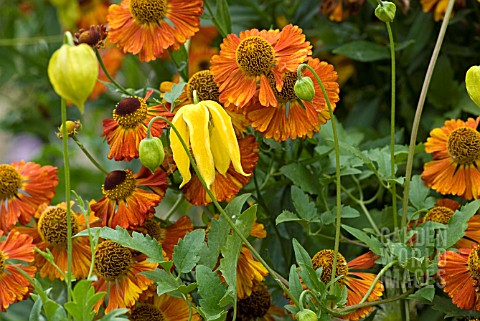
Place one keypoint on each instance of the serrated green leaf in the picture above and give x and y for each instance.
(294, 282)
(166, 283)
(137, 241)
(234, 208)
(231, 251)
(217, 236)
(115, 315)
(301, 255)
(185, 289)
(362, 50)
(302, 177)
(374, 244)
(458, 224)
(418, 194)
(426, 294)
(304, 207)
(175, 92)
(287, 216)
(187, 252)
(212, 291)
(84, 299)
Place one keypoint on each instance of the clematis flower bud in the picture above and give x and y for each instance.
(304, 88)
(472, 81)
(73, 72)
(386, 11)
(151, 153)
(307, 315)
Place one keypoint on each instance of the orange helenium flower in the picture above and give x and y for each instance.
(459, 274)
(148, 27)
(289, 119)
(245, 63)
(225, 187)
(118, 275)
(129, 126)
(249, 273)
(163, 307)
(23, 187)
(456, 159)
(124, 203)
(51, 232)
(14, 286)
(439, 7)
(92, 12)
(357, 283)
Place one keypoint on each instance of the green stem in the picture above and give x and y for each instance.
(392, 129)
(102, 65)
(337, 164)
(234, 227)
(418, 112)
(374, 283)
(174, 207)
(89, 156)
(66, 167)
(213, 16)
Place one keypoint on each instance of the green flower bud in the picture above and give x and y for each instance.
(151, 153)
(307, 315)
(304, 88)
(73, 127)
(386, 11)
(472, 81)
(73, 72)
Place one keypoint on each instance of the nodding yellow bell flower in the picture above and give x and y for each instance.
(208, 132)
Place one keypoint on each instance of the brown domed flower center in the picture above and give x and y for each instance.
(119, 185)
(463, 145)
(10, 182)
(153, 229)
(148, 11)
(439, 214)
(112, 260)
(205, 86)
(257, 304)
(130, 112)
(324, 259)
(287, 93)
(146, 312)
(474, 262)
(3, 259)
(52, 226)
(255, 56)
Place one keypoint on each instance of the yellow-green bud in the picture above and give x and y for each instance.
(73, 127)
(304, 88)
(307, 315)
(386, 11)
(73, 72)
(151, 153)
(472, 81)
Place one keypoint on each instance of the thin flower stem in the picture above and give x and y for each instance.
(174, 207)
(66, 167)
(374, 283)
(213, 16)
(102, 65)
(364, 209)
(89, 156)
(392, 129)
(235, 229)
(337, 164)
(418, 112)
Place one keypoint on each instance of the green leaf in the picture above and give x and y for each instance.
(374, 244)
(137, 241)
(458, 224)
(362, 50)
(231, 250)
(217, 236)
(294, 282)
(187, 252)
(223, 17)
(418, 194)
(301, 177)
(36, 311)
(212, 291)
(166, 283)
(174, 93)
(301, 255)
(287, 216)
(425, 294)
(450, 310)
(180, 58)
(305, 208)
(84, 299)
(234, 208)
(115, 315)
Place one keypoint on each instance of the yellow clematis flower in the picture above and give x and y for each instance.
(207, 130)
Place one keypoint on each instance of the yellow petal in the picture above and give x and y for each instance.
(180, 156)
(221, 158)
(197, 118)
(223, 124)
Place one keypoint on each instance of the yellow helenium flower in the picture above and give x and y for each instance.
(208, 132)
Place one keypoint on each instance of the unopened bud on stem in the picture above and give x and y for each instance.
(304, 88)
(151, 153)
